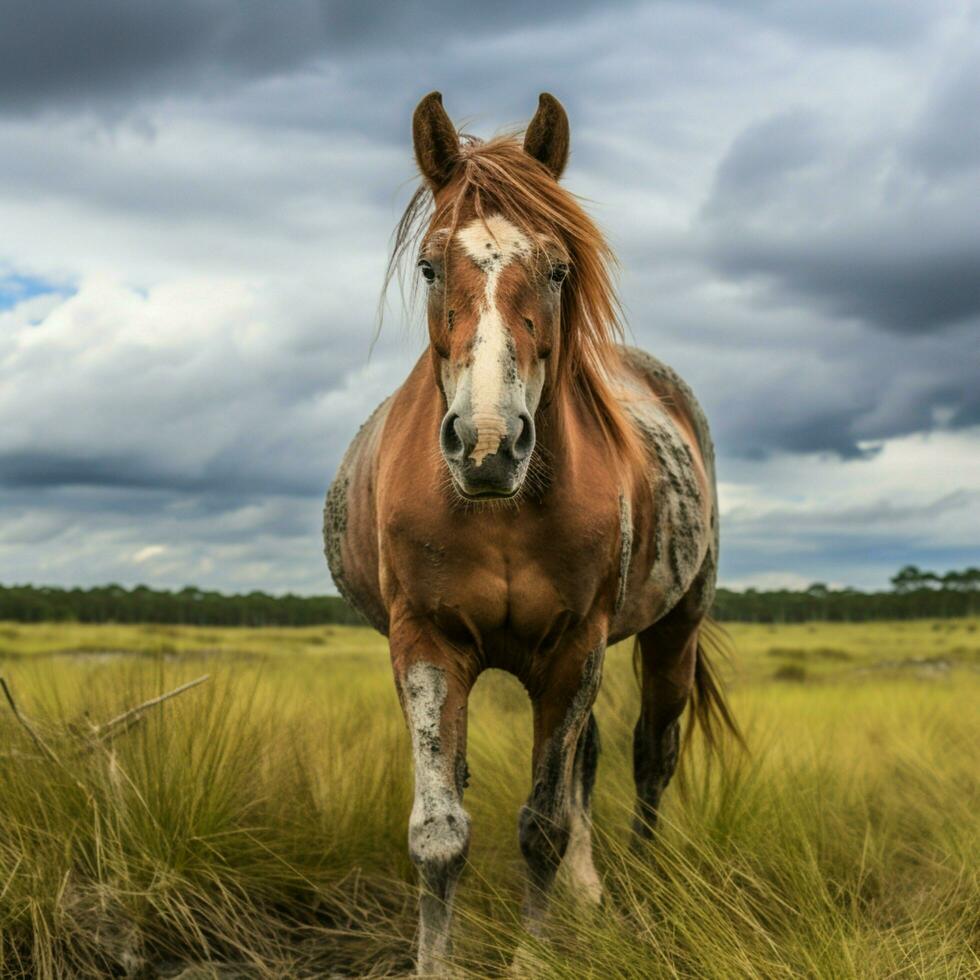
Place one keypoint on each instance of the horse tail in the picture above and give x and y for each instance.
(709, 707)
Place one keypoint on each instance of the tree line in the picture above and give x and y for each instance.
(915, 593)
(198, 607)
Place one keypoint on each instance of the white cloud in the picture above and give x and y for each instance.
(148, 553)
(193, 383)
(903, 476)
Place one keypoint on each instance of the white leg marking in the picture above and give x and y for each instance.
(439, 828)
(438, 822)
(582, 876)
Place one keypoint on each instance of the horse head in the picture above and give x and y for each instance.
(494, 283)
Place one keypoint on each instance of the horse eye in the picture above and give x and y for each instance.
(428, 273)
(558, 272)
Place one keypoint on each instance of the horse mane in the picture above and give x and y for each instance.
(499, 177)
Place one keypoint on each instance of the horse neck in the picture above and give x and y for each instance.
(570, 439)
(562, 422)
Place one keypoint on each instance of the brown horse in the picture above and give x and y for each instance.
(532, 493)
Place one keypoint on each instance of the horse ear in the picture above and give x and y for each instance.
(547, 137)
(436, 141)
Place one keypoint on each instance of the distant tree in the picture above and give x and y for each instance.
(908, 578)
(965, 581)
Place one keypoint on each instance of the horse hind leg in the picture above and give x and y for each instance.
(667, 655)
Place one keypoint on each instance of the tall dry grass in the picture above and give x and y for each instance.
(256, 826)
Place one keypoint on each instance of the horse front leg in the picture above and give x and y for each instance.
(562, 773)
(434, 693)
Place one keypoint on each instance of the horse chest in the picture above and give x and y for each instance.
(499, 576)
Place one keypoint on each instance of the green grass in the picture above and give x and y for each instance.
(256, 826)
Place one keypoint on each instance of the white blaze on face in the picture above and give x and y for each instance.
(492, 243)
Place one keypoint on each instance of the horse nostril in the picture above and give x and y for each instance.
(524, 440)
(450, 437)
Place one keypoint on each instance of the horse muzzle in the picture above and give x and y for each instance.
(482, 467)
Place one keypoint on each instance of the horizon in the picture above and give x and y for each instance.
(199, 200)
(923, 578)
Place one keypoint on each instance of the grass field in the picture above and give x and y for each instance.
(256, 825)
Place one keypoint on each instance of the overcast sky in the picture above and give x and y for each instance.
(196, 199)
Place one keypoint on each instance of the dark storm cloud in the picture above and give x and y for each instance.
(40, 469)
(843, 400)
(223, 473)
(52, 51)
(95, 505)
(61, 51)
(850, 226)
(777, 374)
(871, 229)
(908, 293)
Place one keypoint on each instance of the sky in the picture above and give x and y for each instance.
(196, 202)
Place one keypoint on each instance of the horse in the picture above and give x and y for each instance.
(533, 492)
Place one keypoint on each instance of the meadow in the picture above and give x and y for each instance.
(255, 826)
